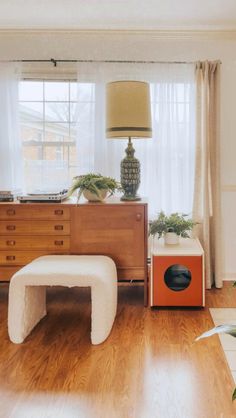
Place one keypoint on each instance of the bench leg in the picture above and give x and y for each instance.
(27, 306)
(104, 305)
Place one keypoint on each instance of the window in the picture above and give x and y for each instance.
(63, 135)
(48, 119)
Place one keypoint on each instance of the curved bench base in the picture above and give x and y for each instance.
(27, 292)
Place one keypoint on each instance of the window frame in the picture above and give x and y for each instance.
(42, 143)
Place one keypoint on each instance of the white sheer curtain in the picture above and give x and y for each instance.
(11, 173)
(167, 160)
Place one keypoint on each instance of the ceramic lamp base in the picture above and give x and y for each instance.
(130, 174)
(130, 198)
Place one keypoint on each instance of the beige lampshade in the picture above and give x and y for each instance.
(128, 112)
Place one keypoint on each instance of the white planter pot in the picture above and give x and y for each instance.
(171, 238)
(92, 197)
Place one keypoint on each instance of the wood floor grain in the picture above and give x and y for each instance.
(149, 367)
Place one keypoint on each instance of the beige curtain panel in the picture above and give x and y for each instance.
(206, 203)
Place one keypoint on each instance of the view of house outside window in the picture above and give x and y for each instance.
(48, 118)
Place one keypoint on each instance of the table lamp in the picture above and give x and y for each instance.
(128, 115)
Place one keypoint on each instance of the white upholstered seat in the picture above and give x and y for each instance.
(27, 292)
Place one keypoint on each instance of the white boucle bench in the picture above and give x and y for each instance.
(27, 292)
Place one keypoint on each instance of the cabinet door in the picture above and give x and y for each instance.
(117, 231)
(177, 281)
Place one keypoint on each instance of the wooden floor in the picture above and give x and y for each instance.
(149, 367)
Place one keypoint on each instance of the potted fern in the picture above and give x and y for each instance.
(94, 187)
(171, 227)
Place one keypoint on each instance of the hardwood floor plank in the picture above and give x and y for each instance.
(149, 366)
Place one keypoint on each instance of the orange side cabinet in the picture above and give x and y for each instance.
(177, 274)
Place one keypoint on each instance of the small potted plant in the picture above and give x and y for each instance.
(94, 187)
(171, 227)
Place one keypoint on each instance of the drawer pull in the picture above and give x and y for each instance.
(58, 212)
(11, 242)
(58, 227)
(11, 212)
(11, 227)
(58, 242)
(10, 257)
(138, 217)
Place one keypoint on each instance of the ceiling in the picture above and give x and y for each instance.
(118, 14)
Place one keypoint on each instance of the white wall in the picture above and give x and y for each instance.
(163, 46)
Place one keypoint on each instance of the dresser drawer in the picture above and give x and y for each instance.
(49, 212)
(34, 242)
(17, 258)
(15, 227)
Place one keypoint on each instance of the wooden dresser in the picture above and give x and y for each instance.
(114, 228)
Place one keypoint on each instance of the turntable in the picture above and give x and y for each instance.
(47, 197)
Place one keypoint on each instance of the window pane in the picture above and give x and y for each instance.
(50, 153)
(33, 152)
(73, 112)
(31, 90)
(48, 112)
(56, 111)
(73, 168)
(73, 92)
(46, 174)
(73, 131)
(57, 152)
(72, 154)
(32, 132)
(56, 91)
(31, 111)
(57, 132)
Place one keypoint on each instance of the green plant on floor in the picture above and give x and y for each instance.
(178, 223)
(221, 329)
(94, 183)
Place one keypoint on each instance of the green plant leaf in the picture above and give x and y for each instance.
(79, 195)
(94, 183)
(221, 329)
(176, 222)
(234, 395)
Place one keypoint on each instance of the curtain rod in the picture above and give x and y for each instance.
(55, 61)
